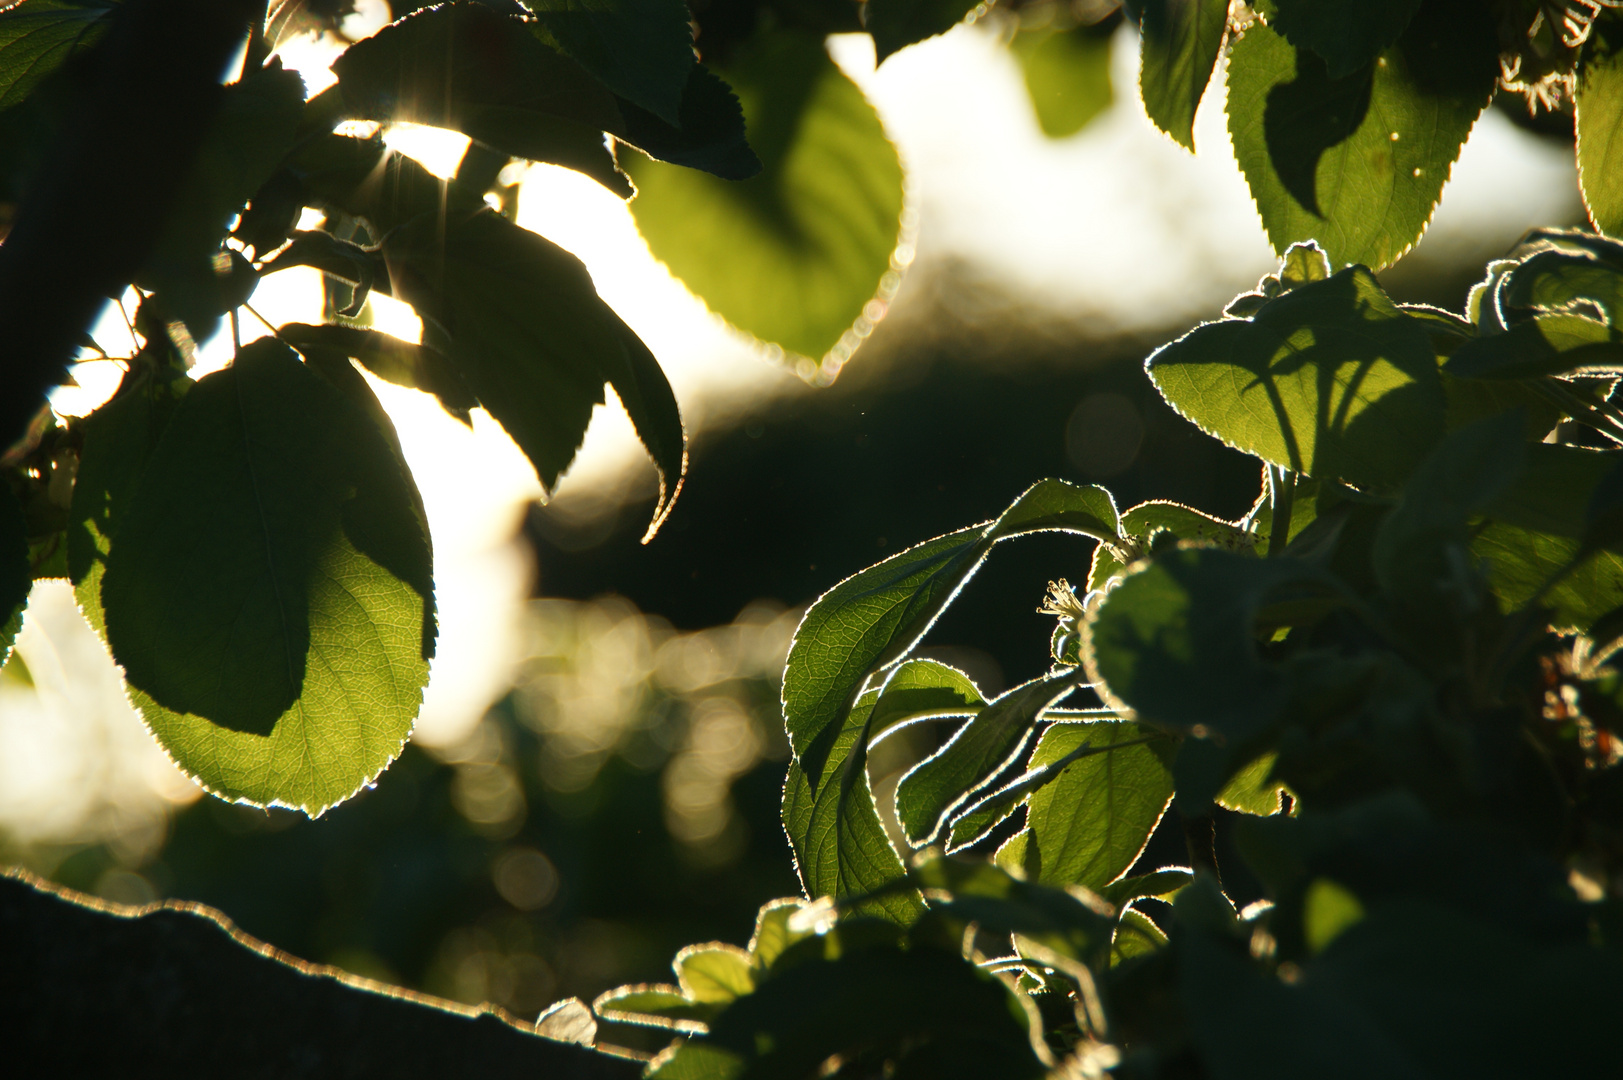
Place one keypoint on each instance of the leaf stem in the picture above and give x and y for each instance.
(1282, 492)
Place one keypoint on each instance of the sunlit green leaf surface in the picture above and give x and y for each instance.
(1180, 40)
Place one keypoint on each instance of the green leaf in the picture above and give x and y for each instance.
(972, 824)
(534, 342)
(1175, 640)
(1543, 345)
(1067, 75)
(793, 254)
(119, 439)
(1090, 825)
(419, 367)
(269, 591)
(640, 49)
(1599, 109)
(38, 36)
(989, 896)
(923, 689)
(1144, 522)
(1161, 884)
(1136, 935)
(896, 24)
(1535, 530)
(1346, 34)
(1180, 40)
(977, 752)
(16, 574)
(655, 1005)
(254, 127)
(1358, 162)
(1253, 790)
(714, 973)
(1556, 280)
(919, 1012)
(840, 846)
(1330, 379)
(874, 618)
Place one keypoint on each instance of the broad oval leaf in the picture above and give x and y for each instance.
(1331, 379)
(793, 254)
(1359, 162)
(1180, 40)
(269, 592)
(534, 342)
(1599, 108)
(1088, 826)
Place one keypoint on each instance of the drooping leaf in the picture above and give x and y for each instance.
(254, 127)
(839, 843)
(874, 618)
(1253, 789)
(1330, 379)
(1180, 40)
(971, 824)
(534, 342)
(38, 36)
(269, 590)
(923, 688)
(1358, 162)
(1345, 34)
(1088, 826)
(1067, 74)
(1136, 935)
(640, 49)
(16, 575)
(977, 752)
(997, 901)
(1543, 345)
(1599, 109)
(793, 254)
(1162, 884)
(896, 24)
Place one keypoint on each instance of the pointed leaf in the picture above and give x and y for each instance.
(1089, 826)
(1330, 379)
(1180, 40)
(793, 254)
(1359, 162)
(977, 752)
(269, 593)
(1252, 790)
(926, 688)
(533, 340)
(1599, 107)
(419, 367)
(896, 24)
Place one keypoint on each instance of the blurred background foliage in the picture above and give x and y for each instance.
(620, 798)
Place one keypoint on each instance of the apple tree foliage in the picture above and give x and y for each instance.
(1399, 669)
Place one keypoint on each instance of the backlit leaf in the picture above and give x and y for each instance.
(38, 36)
(896, 24)
(1067, 75)
(269, 592)
(1179, 40)
(1346, 34)
(1543, 345)
(1330, 379)
(1358, 162)
(1599, 107)
(793, 254)
(640, 49)
(1089, 826)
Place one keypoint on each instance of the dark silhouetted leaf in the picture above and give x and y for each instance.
(793, 254)
(1330, 379)
(38, 36)
(640, 49)
(400, 362)
(1180, 40)
(534, 342)
(269, 591)
(896, 24)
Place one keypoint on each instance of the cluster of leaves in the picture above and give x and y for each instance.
(1398, 669)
